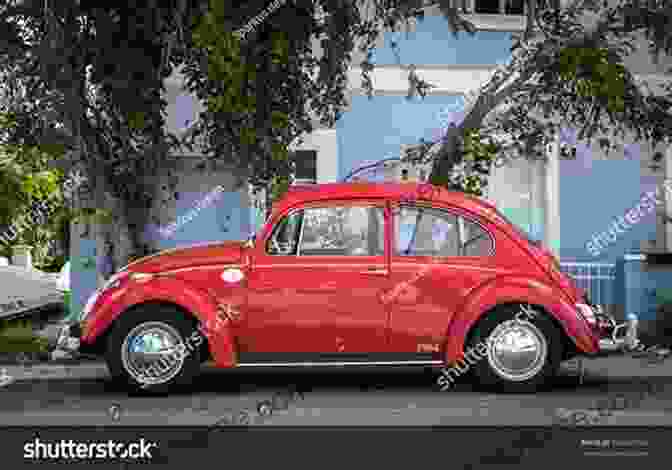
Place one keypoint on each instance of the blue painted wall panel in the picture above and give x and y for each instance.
(592, 199)
(83, 280)
(433, 44)
(375, 128)
(222, 220)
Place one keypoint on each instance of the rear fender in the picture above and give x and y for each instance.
(523, 291)
(203, 305)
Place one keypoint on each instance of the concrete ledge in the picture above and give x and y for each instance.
(43, 359)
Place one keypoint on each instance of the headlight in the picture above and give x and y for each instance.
(89, 305)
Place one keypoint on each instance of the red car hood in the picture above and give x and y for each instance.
(191, 256)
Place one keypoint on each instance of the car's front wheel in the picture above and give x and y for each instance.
(521, 349)
(154, 349)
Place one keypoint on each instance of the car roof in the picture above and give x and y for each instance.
(368, 190)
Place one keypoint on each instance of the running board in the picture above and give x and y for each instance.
(339, 364)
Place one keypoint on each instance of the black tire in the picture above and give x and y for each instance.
(484, 373)
(160, 314)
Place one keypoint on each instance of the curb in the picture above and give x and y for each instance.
(45, 372)
(55, 362)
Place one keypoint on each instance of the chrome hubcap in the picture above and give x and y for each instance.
(517, 350)
(150, 353)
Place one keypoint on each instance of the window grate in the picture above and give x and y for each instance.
(305, 166)
(491, 7)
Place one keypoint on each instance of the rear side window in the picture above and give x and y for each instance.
(475, 241)
(430, 232)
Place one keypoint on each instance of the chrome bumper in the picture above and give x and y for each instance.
(624, 336)
(68, 340)
(619, 337)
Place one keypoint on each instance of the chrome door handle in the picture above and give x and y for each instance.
(374, 271)
(264, 288)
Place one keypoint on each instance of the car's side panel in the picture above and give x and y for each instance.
(426, 296)
(515, 289)
(197, 301)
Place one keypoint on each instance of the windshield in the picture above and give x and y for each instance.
(252, 235)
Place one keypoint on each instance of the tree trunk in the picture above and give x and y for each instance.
(449, 155)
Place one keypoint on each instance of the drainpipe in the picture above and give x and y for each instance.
(552, 197)
(667, 226)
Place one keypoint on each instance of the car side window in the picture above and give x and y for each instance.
(284, 240)
(474, 240)
(424, 231)
(343, 231)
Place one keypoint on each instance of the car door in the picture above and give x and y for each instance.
(438, 257)
(344, 243)
(284, 312)
(314, 290)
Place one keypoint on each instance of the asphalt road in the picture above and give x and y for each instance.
(83, 395)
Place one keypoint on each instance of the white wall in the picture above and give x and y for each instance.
(325, 142)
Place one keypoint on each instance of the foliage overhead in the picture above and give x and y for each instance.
(568, 69)
(86, 79)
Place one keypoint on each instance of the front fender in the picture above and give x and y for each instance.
(201, 304)
(517, 290)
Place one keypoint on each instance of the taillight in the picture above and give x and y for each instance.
(587, 313)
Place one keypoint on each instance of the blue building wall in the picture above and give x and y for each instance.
(433, 44)
(593, 194)
(642, 287)
(375, 128)
(227, 218)
(82, 274)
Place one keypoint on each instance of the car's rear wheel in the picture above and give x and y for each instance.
(523, 352)
(154, 349)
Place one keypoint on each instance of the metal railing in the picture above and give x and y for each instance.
(596, 278)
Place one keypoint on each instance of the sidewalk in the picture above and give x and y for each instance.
(56, 370)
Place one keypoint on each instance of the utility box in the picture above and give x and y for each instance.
(644, 283)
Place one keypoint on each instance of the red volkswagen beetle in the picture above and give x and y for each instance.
(351, 274)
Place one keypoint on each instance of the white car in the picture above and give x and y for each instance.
(25, 290)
